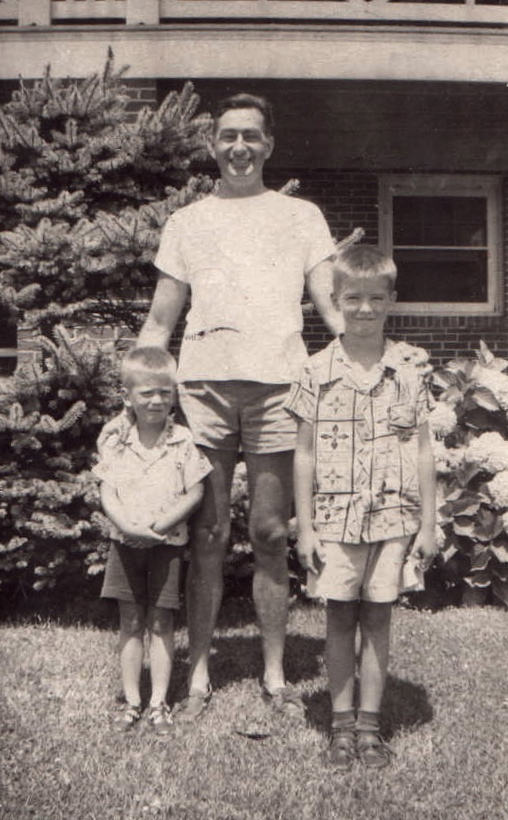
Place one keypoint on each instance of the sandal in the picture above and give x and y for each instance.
(342, 751)
(126, 717)
(160, 719)
(194, 704)
(373, 751)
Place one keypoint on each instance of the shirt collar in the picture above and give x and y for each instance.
(171, 434)
(332, 369)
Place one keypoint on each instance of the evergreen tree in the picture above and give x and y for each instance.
(85, 189)
(84, 192)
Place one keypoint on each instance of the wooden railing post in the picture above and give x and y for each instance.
(34, 14)
(143, 11)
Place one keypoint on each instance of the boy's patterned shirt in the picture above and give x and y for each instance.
(366, 486)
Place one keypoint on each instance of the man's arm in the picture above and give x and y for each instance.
(167, 304)
(309, 548)
(320, 287)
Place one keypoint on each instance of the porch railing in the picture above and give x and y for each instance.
(156, 12)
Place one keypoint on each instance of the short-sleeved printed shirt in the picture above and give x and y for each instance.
(149, 480)
(366, 486)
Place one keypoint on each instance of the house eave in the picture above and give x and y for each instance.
(262, 50)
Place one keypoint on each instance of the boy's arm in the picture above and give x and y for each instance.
(167, 303)
(424, 546)
(137, 535)
(180, 510)
(320, 287)
(310, 551)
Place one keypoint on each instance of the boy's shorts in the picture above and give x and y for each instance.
(227, 415)
(150, 577)
(367, 572)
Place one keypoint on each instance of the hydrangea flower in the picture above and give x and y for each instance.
(442, 419)
(447, 459)
(496, 382)
(498, 488)
(489, 451)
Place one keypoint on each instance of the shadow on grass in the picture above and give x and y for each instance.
(237, 658)
(405, 707)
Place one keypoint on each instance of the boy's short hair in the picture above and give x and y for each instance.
(363, 262)
(247, 101)
(146, 360)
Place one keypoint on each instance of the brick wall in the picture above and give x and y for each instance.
(349, 198)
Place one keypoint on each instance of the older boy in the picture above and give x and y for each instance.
(151, 476)
(365, 490)
(244, 255)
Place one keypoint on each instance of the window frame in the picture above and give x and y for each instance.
(449, 185)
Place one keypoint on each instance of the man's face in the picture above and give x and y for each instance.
(365, 304)
(240, 147)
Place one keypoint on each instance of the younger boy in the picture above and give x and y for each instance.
(151, 481)
(364, 491)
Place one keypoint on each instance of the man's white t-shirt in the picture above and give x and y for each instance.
(245, 261)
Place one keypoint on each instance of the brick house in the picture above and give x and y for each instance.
(391, 113)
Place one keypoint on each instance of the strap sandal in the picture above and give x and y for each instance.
(194, 704)
(372, 750)
(126, 717)
(342, 751)
(160, 719)
(284, 701)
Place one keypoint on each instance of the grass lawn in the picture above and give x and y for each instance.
(446, 711)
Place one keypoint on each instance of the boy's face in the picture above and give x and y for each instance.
(151, 397)
(364, 304)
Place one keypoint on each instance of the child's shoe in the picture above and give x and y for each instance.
(126, 717)
(342, 751)
(373, 752)
(160, 719)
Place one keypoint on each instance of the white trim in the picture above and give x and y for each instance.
(274, 50)
(448, 185)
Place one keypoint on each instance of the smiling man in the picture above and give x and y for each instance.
(244, 254)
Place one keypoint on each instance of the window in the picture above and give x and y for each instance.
(444, 234)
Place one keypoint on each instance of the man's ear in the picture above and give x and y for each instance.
(393, 296)
(270, 144)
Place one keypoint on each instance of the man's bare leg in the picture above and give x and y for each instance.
(271, 491)
(209, 543)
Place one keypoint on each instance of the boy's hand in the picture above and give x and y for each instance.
(310, 551)
(141, 536)
(424, 547)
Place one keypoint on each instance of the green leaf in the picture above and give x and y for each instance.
(481, 579)
(500, 589)
(464, 526)
(485, 398)
(488, 524)
(501, 553)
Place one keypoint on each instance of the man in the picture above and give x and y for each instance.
(244, 254)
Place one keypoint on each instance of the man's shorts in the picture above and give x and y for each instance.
(232, 414)
(367, 572)
(149, 577)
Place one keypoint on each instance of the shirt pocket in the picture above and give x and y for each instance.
(402, 417)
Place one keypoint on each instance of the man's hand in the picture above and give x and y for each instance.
(310, 551)
(424, 548)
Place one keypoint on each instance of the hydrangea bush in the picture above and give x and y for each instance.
(470, 426)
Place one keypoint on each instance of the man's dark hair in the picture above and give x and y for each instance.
(247, 101)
